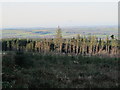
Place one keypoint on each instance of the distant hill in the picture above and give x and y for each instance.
(41, 32)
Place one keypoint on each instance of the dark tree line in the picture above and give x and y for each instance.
(79, 45)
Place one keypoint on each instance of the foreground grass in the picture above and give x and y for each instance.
(34, 70)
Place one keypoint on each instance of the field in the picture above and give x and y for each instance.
(67, 32)
(38, 70)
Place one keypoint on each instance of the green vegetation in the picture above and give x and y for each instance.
(77, 62)
(80, 45)
(37, 70)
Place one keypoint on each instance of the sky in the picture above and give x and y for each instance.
(64, 14)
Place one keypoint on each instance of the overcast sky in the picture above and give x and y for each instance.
(38, 14)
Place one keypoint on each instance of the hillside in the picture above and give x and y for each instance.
(68, 32)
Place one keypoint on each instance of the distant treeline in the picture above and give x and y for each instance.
(78, 45)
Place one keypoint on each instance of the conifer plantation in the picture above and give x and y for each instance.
(79, 45)
(76, 62)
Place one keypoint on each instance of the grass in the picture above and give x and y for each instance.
(37, 70)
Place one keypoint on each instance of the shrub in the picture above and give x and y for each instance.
(22, 60)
